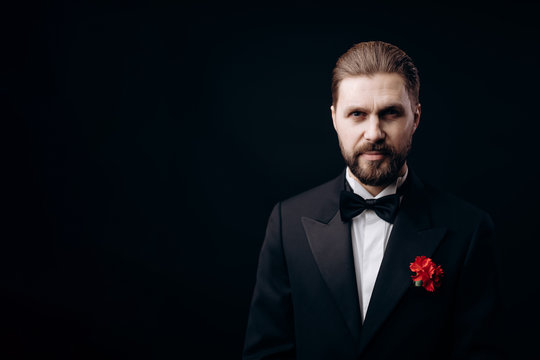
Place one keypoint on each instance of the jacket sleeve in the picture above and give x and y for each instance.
(477, 307)
(270, 329)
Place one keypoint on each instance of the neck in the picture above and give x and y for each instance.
(375, 190)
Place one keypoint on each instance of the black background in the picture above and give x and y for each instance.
(146, 143)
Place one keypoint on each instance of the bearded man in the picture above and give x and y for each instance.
(375, 264)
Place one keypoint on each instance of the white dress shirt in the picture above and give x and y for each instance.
(369, 238)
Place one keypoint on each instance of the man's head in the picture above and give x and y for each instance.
(375, 110)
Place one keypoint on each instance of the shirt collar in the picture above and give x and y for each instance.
(389, 190)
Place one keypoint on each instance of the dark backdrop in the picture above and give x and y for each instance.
(145, 145)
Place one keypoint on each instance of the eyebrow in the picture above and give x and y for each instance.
(352, 108)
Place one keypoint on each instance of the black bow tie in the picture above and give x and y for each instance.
(351, 205)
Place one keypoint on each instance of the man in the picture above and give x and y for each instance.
(375, 264)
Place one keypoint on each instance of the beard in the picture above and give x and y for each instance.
(381, 172)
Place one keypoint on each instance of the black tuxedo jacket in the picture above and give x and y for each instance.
(305, 303)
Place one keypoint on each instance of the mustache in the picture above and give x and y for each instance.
(382, 148)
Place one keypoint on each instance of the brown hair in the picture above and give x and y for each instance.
(371, 57)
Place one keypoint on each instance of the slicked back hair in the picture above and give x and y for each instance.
(372, 57)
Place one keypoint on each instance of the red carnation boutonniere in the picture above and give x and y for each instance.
(428, 274)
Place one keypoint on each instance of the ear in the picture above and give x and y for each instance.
(417, 113)
(333, 110)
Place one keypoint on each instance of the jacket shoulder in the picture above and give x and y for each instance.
(320, 202)
(449, 209)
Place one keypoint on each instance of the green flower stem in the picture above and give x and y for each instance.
(418, 283)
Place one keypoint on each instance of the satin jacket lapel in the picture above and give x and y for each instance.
(330, 242)
(411, 236)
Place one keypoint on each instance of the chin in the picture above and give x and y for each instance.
(370, 165)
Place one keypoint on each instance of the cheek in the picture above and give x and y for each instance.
(399, 135)
(350, 141)
(350, 134)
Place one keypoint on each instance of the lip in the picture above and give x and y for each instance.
(373, 155)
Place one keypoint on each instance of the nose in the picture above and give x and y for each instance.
(373, 132)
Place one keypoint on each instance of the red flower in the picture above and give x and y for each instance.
(428, 274)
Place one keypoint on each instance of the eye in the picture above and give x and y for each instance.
(391, 113)
(357, 113)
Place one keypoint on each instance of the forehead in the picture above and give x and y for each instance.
(377, 89)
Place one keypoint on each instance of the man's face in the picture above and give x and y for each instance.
(375, 122)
